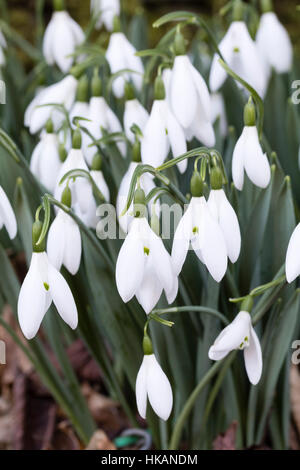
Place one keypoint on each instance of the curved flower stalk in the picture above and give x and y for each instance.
(292, 262)
(248, 155)
(134, 113)
(153, 384)
(120, 55)
(64, 239)
(151, 269)
(240, 334)
(61, 38)
(219, 112)
(61, 93)
(189, 97)
(7, 216)
(3, 46)
(274, 44)
(45, 161)
(242, 56)
(199, 227)
(161, 132)
(105, 10)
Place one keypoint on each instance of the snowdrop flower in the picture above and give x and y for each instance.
(150, 264)
(81, 105)
(219, 112)
(43, 285)
(242, 56)
(224, 214)
(64, 239)
(7, 216)
(3, 46)
(120, 55)
(45, 161)
(292, 262)
(98, 177)
(240, 334)
(100, 117)
(189, 97)
(161, 132)
(200, 228)
(153, 384)
(106, 10)
(248, 155)
(63, 93)
(273, 42)
(61, 38)
(134, 113)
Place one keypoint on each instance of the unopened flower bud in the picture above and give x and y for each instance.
(82, 90)
(97, 162)
(136, 151)
(62, 153)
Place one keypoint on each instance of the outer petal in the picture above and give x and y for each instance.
(34, 162)
(7, 215)
(256, 162)
(63, 42)
(162, 262)
(56, 242)
(155, 143)
(141, 389)
(159, 389)
(150, 289)
(177, 139)
(62, 297)
(134, 113)
(72, 252)
(201, 129)
(231, 337)
(238, 162)
(217, 73)
(292, 262)
(204, 99)
(48, 41)
(181, 240)
(122, 198)
(253, 359)
(49, 162)
(183, 92)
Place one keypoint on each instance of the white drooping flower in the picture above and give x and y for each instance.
(144, 267)
(62, 93)
(161, 133)
(105, 10)
(219, 112)
(101, 184)
(292, 262)
(134, 113)
(153, 384)
(242, 56)
(146, 183)
(43, 285)
(120, 55)
(7, 216)
(248, 156)
(3, 46)
(225, 215)
(61, 38)
(64, 243)
(274, 44)
(240, 334)
(199, 227)
(45, 161)
(190, 101)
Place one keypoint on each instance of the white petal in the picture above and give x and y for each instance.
(122, 197)
(204, 100)
(56, 241)
(141, 390)
(202, 129)
(134, 113)
(253, 359)
(72, 251)
(177, 140)
(63, 43)
(256, 162)
(181, 240)
(155, 142)
(62, 297)
(49, 162)
(159, 389)
(98, 177)
(238, 162)
(7, 215)
(161, 261)
(232, 336)
(292, 262)
(150, 289)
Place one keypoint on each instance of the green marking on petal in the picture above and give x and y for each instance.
(195, 230)
(146, 251)
(47, 287)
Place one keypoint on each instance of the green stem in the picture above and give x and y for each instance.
(192, 308)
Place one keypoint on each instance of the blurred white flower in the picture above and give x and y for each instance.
(45, 161)
(42, 285)
(153, 384)
(106, 10)
(61, 38)
(3, 46)
(190, 100)
(292, 262)
(120, 55)
(7, 216)
(240, 334)
(225, 215)
(134, 113)
(200, 228)
(248, 156)
(64, 243)
(241, 54)
(144, 267)
(274, 43)
(62, 93)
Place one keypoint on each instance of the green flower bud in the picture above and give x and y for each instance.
(196, 185)
(216, 178)
(250, 114)
(179, 43)
(49, 126)
(147, 346)
(36, 232)
(116, 24)
(129, 92)
(238, 10)
(62, 153)
(247, 304)
(136, 151)
(58, 5)
(96, 84)
(66, 197)
(159, 89)
(139, 203)
(97, 162)
(83, 89)
(76, 140)
(266, 6)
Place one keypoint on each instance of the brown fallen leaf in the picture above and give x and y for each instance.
(100, 441)
(227, 440)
